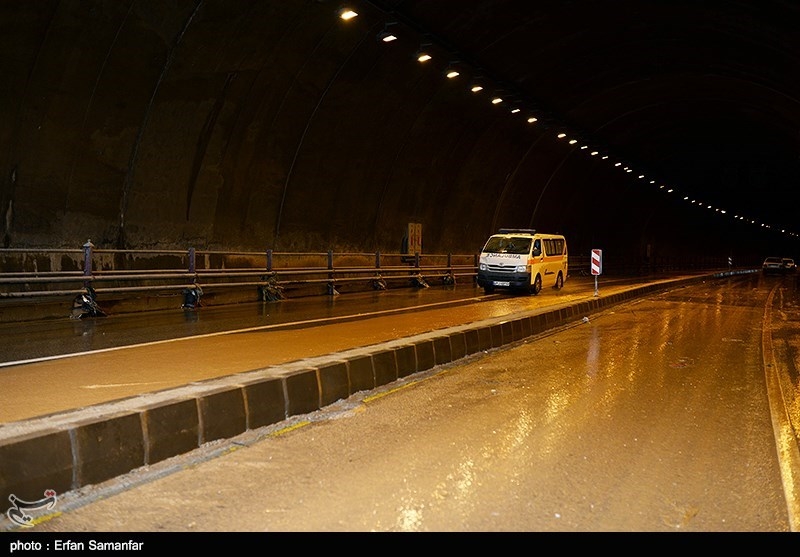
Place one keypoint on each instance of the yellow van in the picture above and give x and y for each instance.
(524, 260)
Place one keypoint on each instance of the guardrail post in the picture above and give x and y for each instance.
(85, 305)
(331, 286)
(419, 280)
(378, 283)
(271, 291)
(191, 296)
(87, 262)
(449, 277)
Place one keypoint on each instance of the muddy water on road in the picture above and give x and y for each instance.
(91, 362)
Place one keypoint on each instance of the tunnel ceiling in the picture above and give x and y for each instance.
(233, 124)
(703, 96)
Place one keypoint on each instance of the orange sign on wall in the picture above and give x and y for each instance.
(414, 238)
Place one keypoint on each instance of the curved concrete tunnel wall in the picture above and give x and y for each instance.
(258, 125)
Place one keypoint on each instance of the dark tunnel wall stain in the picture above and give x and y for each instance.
(132, 165)
(251, 125)
(202, 141)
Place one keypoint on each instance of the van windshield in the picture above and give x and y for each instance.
(500, 244)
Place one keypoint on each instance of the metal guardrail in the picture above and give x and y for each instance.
(91, 273)
(87, 273)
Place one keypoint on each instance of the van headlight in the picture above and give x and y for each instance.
(482, 266)
(521, 269)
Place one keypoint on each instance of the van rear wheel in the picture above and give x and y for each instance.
(559, 282)
(536, 287)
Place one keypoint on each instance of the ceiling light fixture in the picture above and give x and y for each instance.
(423, 54)
(347, 14)
(451, 70)
(387, 36)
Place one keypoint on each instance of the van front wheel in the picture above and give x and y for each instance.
(536, 287)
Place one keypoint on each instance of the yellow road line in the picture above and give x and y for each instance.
(785, 436)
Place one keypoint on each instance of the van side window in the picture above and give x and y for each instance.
(537, 248)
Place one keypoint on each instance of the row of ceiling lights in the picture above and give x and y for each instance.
(423, 55)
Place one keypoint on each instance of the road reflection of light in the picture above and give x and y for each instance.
(517, 436)
(592, 354)
(664, 335)
(462, 483)
(524, 426)
(465, 479)
(459, 484)
(787, 449)
(554, 405)
(409, 519)
(514, 443)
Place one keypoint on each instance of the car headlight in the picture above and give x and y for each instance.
(482, 266)
(521, 269)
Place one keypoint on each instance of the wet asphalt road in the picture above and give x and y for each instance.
(37, 340)
(656, 415)
(54, 366)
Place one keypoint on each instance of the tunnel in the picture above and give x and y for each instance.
(657, 129)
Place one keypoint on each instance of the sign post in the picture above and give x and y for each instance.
(597, 266)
